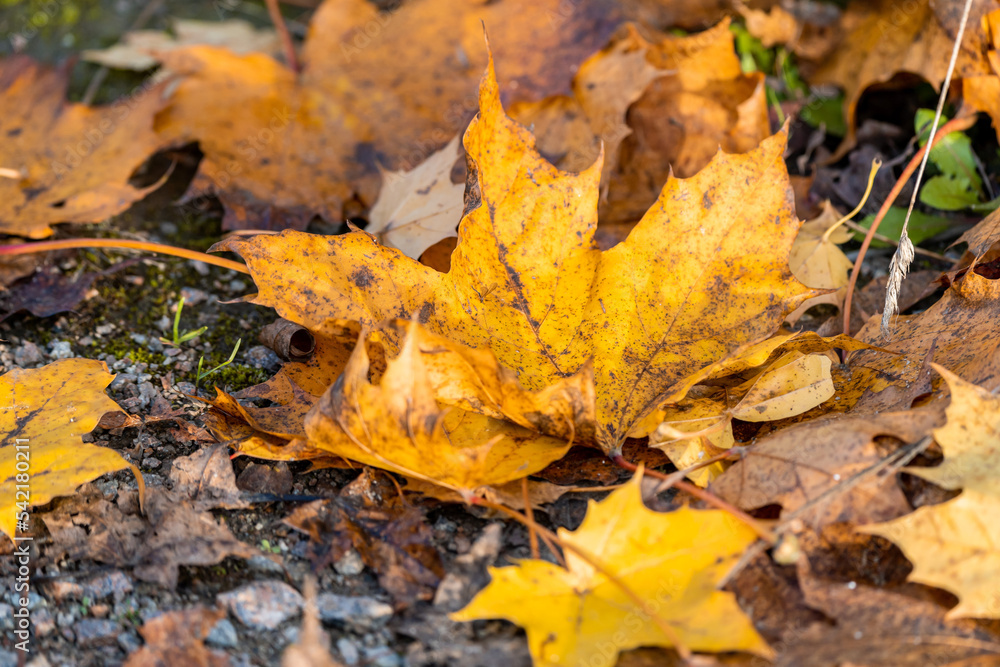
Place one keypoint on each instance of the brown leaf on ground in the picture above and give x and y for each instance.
(885, 37)
(876, 627)
(682, 120)
(376, 88)
(74, 160)
(177, 638)
(391, 536)
(797, 465)
(173, 533)
(960, 326)
(207, 480)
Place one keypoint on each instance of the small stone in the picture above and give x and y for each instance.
(8, 658)
(43, 622)
(263, 605)
(261, 563)
(237, 285)
(151, 463)
(164, 323)
(168, 228)
(115, 584)
(129, 642)
(99, 610)
(361, 613)
(104, 329)
(60, 349)
(155, 345)
(86, 341)
(348, 651)
(64, 619)
(60, 590)
(121, 381)
(6, 616)
(382, 656)
(192, 296)
(186, 388)
(350, 564)
(38, 661)
(290, 634)
(200, 267)
(95, 632)
(261, 356)
(141, 339)
(223, 635)
(27, 355)
(147, 393)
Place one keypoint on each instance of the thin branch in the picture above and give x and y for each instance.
(288, 45)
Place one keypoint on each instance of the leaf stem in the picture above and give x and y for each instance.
(123, 244)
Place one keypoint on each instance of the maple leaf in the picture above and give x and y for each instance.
(177, 638)
(45, 412)
(369, 93)
(74, 160)
(953, 545)
(674, 561)
(397, 425)
(418, 208)
(701, 276)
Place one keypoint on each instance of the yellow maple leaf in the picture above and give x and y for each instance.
(702, 275)
(43, 413)
(397, 425)
(673, 561)
(75, 161)
(956, 545)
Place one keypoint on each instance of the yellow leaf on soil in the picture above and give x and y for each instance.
(792, 386)
(702, 275)
(818, 262)
(45, 412)
(954, 545)
(74, 160)
(397, 425)
(674, 562)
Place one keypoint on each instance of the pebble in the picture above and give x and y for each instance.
(61, 590)
(104, 329)
(186, 388)
(115, 584)
(60, 349)
(122, 380)
(263, 605)
(360, 613)
(8, 658)
(151, 463)
(43, 622)
(193, 296)
(147, 394)
(223, 635)
(6, 616)
(95, 632)
(141, 339)
(261, 563)
(237, 286)
(382, 656)
(86, 341)
(129, 642)
(168, 228)
(261, 356)
(348, 651)
(350, 564)
(200, 267)
(27, 355)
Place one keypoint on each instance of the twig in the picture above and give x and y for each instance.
(903, 256)
(287, 44)
(954, 125)
(529, 512)
(48, 246)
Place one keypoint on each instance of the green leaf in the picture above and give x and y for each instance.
(922, 226)
(948, 193)
(953, 155)
(828, 111)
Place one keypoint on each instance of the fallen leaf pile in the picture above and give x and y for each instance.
(561, 260)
